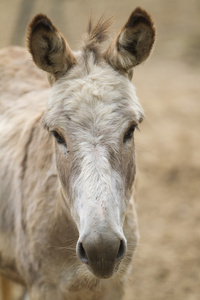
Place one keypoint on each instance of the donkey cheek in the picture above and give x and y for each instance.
(63, 170)
(130, 175)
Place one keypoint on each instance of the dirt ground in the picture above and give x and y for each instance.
(167, 263)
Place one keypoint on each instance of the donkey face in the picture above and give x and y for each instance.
(92, 113)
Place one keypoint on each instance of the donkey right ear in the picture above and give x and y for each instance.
(48, 47)
(133, 43)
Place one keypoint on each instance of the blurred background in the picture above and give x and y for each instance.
(167, 262)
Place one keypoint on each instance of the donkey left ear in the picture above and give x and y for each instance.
(48, 47)
(133, 43)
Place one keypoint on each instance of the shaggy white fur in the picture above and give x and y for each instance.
(68, 225)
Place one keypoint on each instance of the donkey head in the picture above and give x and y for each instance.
(92, 113)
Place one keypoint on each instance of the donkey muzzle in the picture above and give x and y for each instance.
(101, 253)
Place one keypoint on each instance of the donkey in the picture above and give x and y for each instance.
(68, 226)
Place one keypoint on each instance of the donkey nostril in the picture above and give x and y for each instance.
(121, 251)
(82, 254)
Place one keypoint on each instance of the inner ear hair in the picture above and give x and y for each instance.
(133, 43)
(137, 36)
(48, 47)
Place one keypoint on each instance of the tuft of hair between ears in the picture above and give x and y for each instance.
(97, 34)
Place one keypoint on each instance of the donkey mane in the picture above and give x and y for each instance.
(96, 34)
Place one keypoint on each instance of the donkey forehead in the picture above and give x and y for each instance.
(101, 95)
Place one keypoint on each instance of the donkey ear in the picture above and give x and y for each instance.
(48, 47)
(133, 43)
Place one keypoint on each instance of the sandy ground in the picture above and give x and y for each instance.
(167, 262)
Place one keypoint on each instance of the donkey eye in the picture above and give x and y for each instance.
(129, 134)
(59, 139)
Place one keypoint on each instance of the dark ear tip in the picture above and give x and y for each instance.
(40, 21)
(138, 16)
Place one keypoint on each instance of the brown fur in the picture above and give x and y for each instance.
(5, 288)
